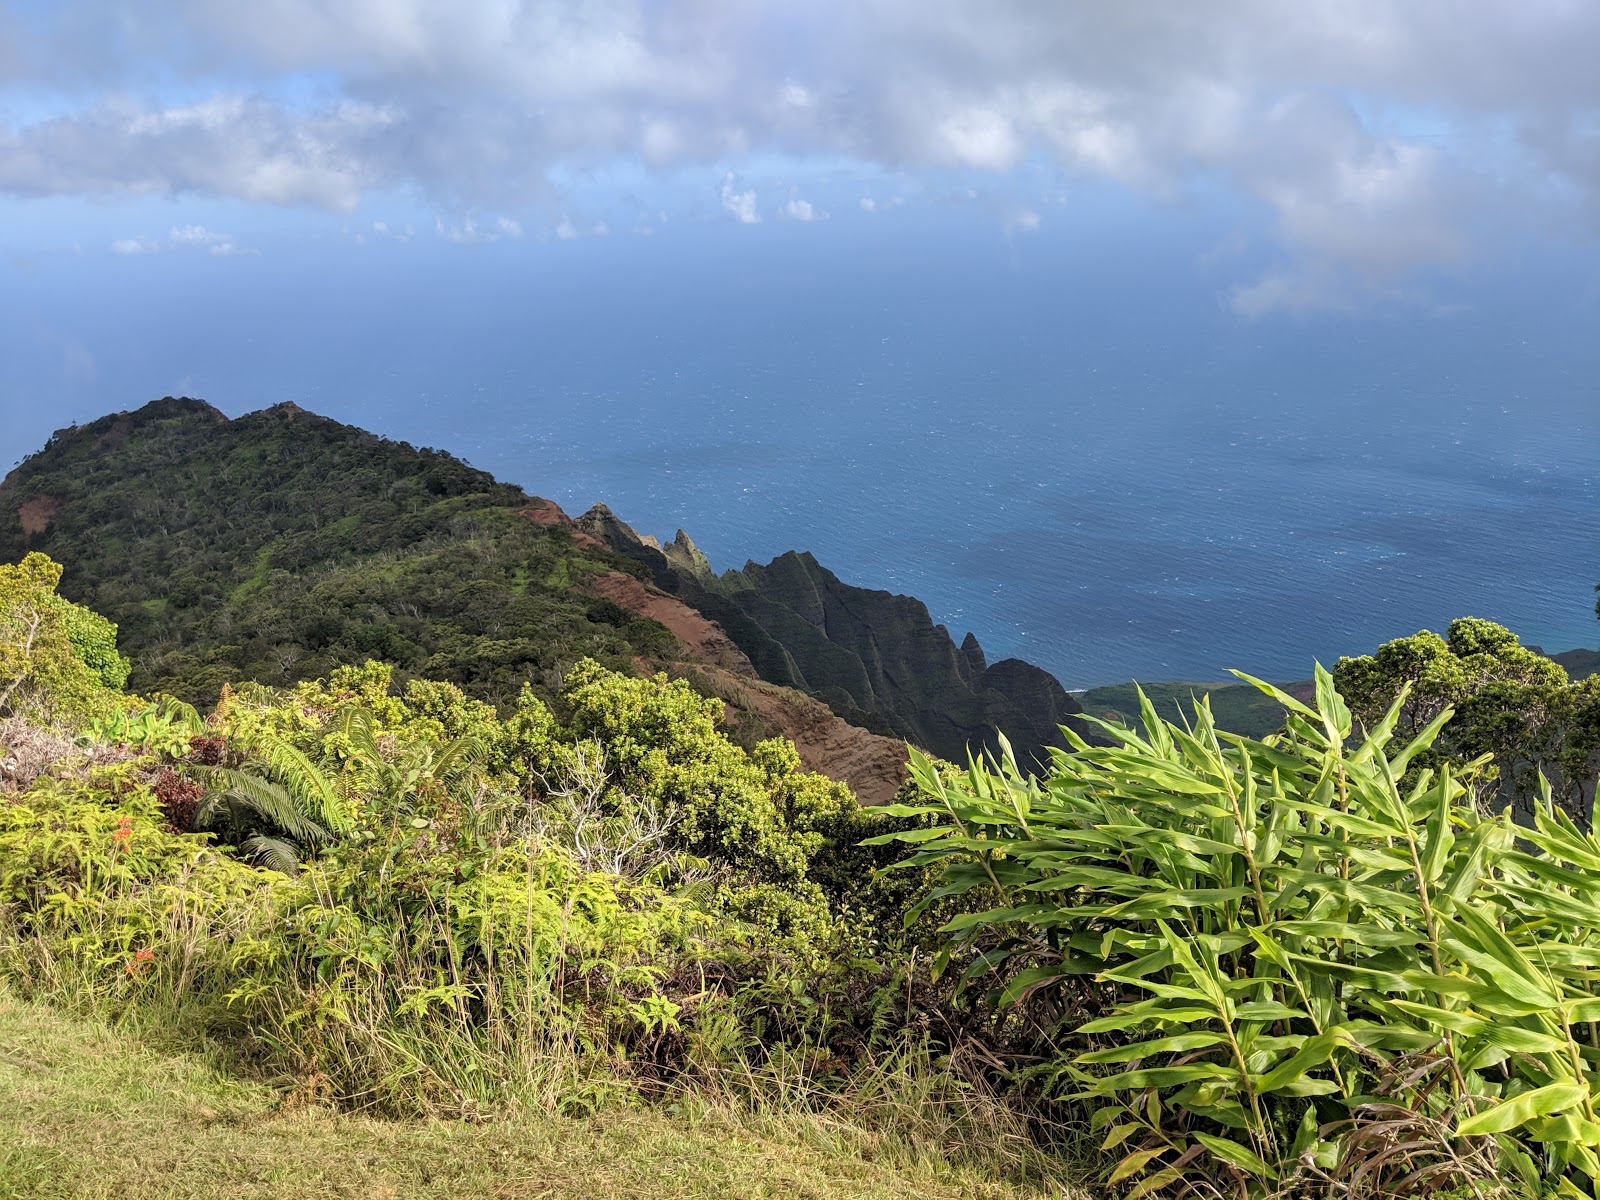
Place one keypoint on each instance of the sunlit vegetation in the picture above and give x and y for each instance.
(280, 545)
(1325, 961)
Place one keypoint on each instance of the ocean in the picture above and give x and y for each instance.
(1066, 443)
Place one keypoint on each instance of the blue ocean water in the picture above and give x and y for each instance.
(1065, 443)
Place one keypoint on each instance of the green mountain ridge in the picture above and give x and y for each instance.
(874, 657)
(280, 544)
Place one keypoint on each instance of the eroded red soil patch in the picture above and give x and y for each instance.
(37, 512)
(702, 638)
(548, 512)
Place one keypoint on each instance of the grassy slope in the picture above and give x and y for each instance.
(1237, 707)
(85, 1112)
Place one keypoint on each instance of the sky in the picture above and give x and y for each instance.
(346, 202)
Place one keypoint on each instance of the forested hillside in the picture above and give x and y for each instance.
(280, 545)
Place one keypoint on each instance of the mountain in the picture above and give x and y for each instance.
(876, 658)
(279, 544)
(274, 546)
(1580, 664)
(1237, 707)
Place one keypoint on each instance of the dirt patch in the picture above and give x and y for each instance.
(873, 766)
(548, 513)
(702, 638)
(37, 512)
(115, 434)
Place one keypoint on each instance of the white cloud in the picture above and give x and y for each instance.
(567, 229)
(134, 246)
(742, 205)
(1373, 135)
(868, 204)
(803, 210)
(1021, 220)
(468, 232)
(196, 235)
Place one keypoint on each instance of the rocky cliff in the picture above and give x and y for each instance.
(876, 658)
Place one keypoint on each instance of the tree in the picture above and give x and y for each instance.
(1510, 702)
(58, 661)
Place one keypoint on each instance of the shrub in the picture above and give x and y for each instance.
(58, 662)
(1275, 963)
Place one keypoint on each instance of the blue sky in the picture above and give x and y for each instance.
(1314, 161)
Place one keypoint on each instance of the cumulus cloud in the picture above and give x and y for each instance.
(196, 235)
(468, 232)
(741, 205)
(803, 210)
(134, 246)
(1372, 134)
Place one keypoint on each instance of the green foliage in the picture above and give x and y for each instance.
(1509, 701)
(1237, 707)
(164, 728)
(58, 662)
(1288, 961)
(461, 912)
(665, 750)
(281, 545)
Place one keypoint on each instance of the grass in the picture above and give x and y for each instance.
(88, 1112)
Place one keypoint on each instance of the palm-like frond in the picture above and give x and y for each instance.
(275, 854)
(272, 803)
(170, 708)
(313, 791)
(356, 726)
(458, 759)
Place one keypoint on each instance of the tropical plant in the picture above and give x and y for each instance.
(1273, 963)
(58, 662)
(166, 727)
(1509, 701)
(276, 806)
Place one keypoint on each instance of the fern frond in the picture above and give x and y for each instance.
(273, 853)
(170, 708)
(459, 758)
(270, 801)
(356, 726)
(312, 789)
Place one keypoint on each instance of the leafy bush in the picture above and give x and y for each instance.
(1509, 701)
(465, 912)
(58, 662)
(1275, 964)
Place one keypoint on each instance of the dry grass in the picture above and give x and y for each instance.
(85, 1112)
(27, 752)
